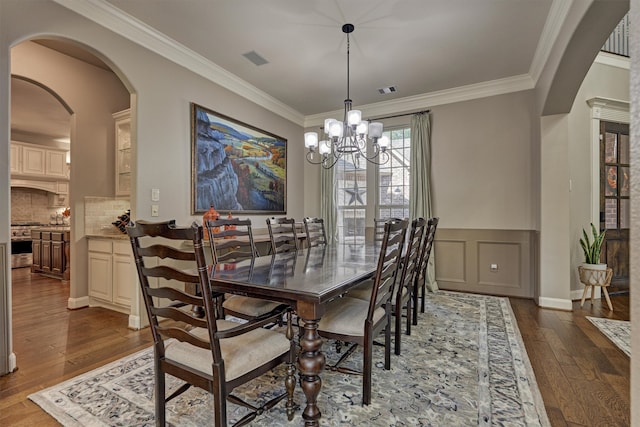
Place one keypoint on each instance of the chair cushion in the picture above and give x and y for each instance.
(346, 316)
(249, 306)
(241, 354)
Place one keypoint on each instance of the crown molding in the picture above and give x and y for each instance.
(112, 18)
(553, 25)
(427, 100)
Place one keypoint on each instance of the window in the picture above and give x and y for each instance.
(390, 182)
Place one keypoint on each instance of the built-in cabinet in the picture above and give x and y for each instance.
(112, 276)
(30, 160)
(48, 249)
(123, 152)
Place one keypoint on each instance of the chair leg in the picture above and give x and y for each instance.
(398, 328)
(366, 371)
(409, 310)
(414, 295)
(424, 290)
(160, 403)
(387, 345)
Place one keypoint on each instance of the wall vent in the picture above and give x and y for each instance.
(387, 90)
(255, 58)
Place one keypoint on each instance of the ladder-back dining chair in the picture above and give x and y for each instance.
(378, 229)
(314, 229)
(213, 354)
(232, 239)
(403, 289)
(357, 321)
(282, 234)
(421, 278)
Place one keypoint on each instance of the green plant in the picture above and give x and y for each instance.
(590, 248)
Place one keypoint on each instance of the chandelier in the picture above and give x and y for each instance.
(352, 136)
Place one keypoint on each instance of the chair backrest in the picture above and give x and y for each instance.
(395, 231)
(172, 257)
(425, 251)
(314, 228)
(378, 229)
(231, 239)
(411, 257)
(282, 233)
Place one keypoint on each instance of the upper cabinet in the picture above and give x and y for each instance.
(36, 161)
(123, 152)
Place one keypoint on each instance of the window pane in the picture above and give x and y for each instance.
(351, 187)
(611, 148)
(393, 177)
(611, 213)
(624, 181)
(624, 149)
(624, 213)
(611, 186)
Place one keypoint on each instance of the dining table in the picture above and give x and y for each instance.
(307, 280)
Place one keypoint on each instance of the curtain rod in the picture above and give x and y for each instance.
(401, 115)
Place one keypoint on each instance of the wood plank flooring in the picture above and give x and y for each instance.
(582, 376)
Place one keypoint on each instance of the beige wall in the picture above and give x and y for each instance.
(602, 81)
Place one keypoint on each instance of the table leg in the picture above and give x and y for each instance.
(311, 362)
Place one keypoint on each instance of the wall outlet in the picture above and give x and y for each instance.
(155, 209)
(493, 267)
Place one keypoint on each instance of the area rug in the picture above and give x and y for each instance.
(464, 364)
(618, 331)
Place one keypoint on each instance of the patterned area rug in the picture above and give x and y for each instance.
(618, 331)
(464, 364)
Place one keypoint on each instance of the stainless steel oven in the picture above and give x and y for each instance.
(21, 244)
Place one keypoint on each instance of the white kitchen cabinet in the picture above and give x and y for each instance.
(123, 152)
(16, 158)
(112, 275)
(37, 161)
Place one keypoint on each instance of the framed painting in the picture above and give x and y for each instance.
(236, 167)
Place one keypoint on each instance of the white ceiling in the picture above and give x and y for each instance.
(423, 47)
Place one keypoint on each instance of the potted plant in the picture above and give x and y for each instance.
(592, 272)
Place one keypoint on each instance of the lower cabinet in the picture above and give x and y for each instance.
(112, 276)
(48, 248)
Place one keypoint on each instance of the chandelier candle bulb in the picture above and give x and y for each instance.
(311, 140)
(375, 130)
(324, 149)
(354, 117)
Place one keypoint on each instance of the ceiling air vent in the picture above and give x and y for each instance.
(255, 58)
(387, 90)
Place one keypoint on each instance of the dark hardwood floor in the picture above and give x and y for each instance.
(582, 376)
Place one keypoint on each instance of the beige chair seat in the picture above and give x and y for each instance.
(248, 306)
(346, 316)
(241, 354)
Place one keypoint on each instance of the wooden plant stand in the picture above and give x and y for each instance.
(592, 278)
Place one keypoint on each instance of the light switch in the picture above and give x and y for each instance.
(494, 267)
(155, 209)
(155, 194)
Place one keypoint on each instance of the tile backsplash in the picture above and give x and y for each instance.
(100, 212)
(31, 205)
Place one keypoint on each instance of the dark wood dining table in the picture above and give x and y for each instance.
(307, 280)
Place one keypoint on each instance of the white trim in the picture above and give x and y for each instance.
(112, 18)
(602, 109)
(73, 303)
(13, 364)
(442, 97)
(576, 295)
(105, 14)
(618, 61)
(134, 322)
(555, 303)
(552, 27)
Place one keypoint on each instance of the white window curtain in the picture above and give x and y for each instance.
(328, 208)
(420, 189)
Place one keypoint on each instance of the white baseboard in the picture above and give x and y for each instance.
(556, 303)
(577, 294)
(12, 362)
(73, 303)
(134, 322)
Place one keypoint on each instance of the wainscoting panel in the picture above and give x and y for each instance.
(496, 262)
